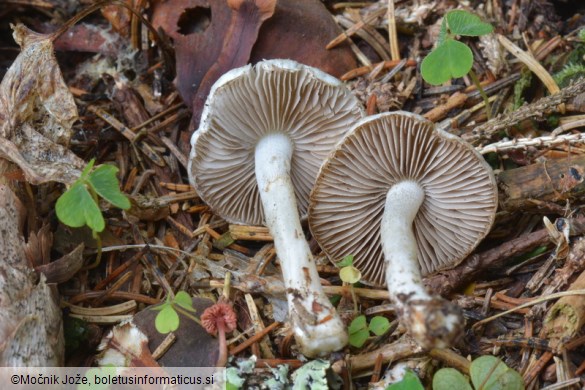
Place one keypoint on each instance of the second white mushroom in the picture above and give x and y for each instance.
(405, 200)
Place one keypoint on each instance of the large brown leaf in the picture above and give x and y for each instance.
(37, 112)
(298, 30)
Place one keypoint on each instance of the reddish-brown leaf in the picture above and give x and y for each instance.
(298, 30)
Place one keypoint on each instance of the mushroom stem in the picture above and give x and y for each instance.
(432, 321)
(223, 353)
(317, 328)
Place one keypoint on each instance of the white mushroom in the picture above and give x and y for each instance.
(405, 200)
(264, 133)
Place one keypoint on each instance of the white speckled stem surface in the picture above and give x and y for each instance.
(433, 322)
(317, 327)
(403, 275)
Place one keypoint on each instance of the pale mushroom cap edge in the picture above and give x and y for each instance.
(347, 202)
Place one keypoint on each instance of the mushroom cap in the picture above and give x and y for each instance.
(347, 202)
(220, 311)
(311, 107)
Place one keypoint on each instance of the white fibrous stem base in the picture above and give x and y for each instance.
(432, 321)
(317, 327)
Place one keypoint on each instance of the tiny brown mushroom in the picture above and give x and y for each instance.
(406, 200)
(219, 319)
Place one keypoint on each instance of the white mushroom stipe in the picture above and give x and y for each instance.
(315, 323)
(431, 321)
(398, 242)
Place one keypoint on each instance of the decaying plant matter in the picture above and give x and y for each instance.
(106, 89)
(37, 112)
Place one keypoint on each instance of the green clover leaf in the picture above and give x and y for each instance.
(450, 60)
(450, 379)
(379, 325)
(183, 299)
(410, 381)
(358, 331)
(104, 181)
(76, 208)
(464, 23)
(78, 205)
(167, 320)
(490, 373)
(346, 261)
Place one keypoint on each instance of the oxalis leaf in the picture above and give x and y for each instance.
(442, 32)
(358, 324)
(450, 60)
(464, 23)
(450, 379)
(358, 331)
(76, 208)
(379, 325)
(409, 382)
(103, 180)
(359, 338)
(490, 373)
(346, 261)
(183, 299)
(167, 320)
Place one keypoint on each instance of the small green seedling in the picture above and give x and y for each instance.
(410, 381)
(350, 275)
(78, 206)
(167, 320)
(451, 58)
(486, 372)
(359, 330)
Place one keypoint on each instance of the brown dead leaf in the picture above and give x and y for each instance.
(30, 319)
(37, 112)
(63, 269)
(86, 37)
(119, 17)
(246, 18)
(203, 31)
(38, 246)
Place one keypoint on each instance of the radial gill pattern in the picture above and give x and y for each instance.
(314, 109)
(348, 199)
